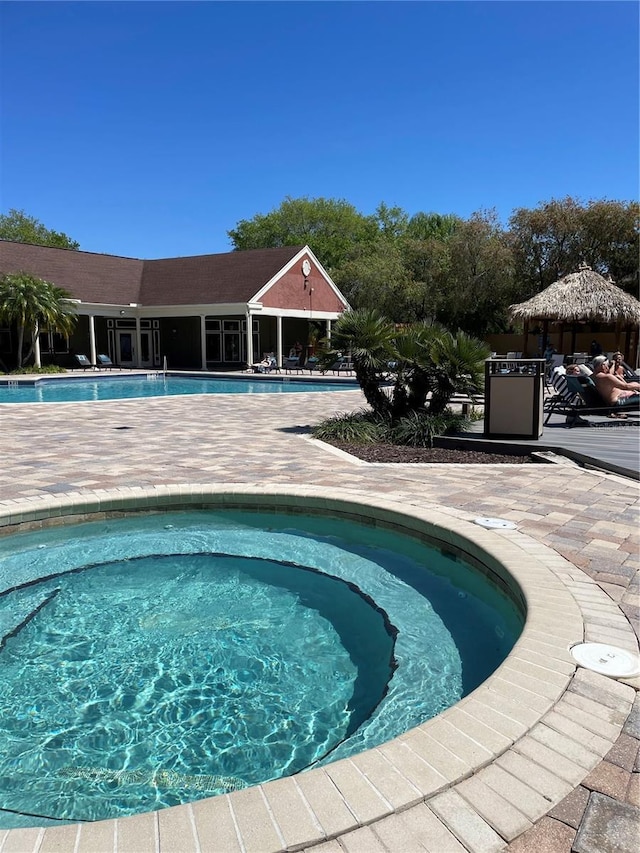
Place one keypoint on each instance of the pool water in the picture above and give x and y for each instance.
(158, 659)
(117, 388)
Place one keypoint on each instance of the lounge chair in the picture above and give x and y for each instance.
(311, 364)
(577, 397)
(268, 364)
(342, 365)
(291, 363)
(83, 361)
(556, 360)
(105, 362)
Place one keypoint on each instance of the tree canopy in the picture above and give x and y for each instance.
(17, 226)
(329, 227)
(464, 273)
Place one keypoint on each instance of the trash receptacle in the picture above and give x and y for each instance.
(514, 397)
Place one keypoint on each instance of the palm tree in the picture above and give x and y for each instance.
(32, 303)
(454, 364)
(369, 339)
(429, 363)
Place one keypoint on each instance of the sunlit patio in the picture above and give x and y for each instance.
(543, 759)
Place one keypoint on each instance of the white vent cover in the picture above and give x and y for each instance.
(608, 660)
(495, 523)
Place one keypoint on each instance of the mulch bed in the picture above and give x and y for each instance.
(396, 453)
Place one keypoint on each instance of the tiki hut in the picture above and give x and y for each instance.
(581, 297)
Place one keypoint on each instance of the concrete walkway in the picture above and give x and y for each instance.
(559, 777)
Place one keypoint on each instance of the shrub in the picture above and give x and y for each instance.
(418, 429)
(355, 428)
(31, 368)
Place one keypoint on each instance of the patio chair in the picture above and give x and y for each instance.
(291, 363)
(556, 360)
(311, 364)
(342, 365)
(268, 364)
(105, 362)
(83, 361)
(512, 366)
(577, 397)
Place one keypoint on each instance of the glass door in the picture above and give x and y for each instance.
(126, 348)
(146, 349)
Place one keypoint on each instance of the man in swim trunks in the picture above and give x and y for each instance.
(613, 389)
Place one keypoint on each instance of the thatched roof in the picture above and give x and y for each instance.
(579, 297)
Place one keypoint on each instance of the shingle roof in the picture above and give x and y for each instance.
(90, 277)
(212, 279)
(107, 279)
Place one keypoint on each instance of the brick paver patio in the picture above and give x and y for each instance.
(571, 780)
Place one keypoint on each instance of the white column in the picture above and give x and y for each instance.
(36, 349)
(279, 354)
(328, 335)
(138, 343)
(203, 341)
(93, 354)
(249, 347)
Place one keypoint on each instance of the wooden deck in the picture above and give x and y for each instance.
(605, 444)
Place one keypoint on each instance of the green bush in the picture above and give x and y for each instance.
(418, 429)
(30, 368)
(355, 428)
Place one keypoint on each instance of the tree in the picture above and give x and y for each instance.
(375, 276)
(432, 365)
(329, 227)
(611, 241)
(32, 303)
(403, 270)
(480, 281)
(553, 239)
(426, 362)
(20, 228)
(432, 226)
(368, 337)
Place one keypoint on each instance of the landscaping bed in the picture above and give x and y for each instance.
(460, 456)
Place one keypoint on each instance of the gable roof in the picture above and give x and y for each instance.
(212, 279)
(229, 277)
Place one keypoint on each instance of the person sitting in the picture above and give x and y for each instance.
(268, 363)
(619, 368)
(614, 390)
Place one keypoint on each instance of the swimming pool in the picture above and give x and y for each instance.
(81, 389)
(435, 626)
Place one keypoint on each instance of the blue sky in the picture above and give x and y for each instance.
(150, 129)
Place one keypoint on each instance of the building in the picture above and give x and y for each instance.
(208, 312)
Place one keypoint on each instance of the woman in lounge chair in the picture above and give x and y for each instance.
(619, 368)
(267, 364)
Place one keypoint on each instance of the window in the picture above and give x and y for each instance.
(54, 342)
(226, 340)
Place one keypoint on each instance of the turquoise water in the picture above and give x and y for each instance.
(158, 659)
(112, 388)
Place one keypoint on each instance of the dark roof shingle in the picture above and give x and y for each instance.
(90, 277)
(107, 279)
(212, 279)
